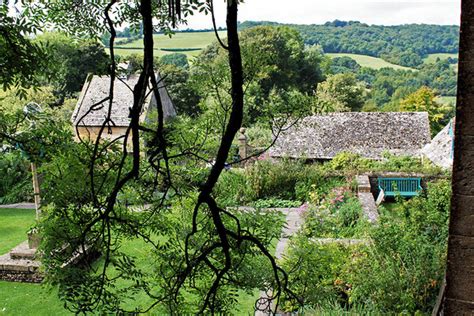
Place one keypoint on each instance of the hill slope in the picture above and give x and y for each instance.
(404, 45)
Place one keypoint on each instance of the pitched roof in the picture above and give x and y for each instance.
(96, 88)
(369, 134)
(440, 150)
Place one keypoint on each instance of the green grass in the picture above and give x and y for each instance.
(34, 299)
(198, 40)
(29, 299)
(369, 61)
(431, 58)
(14, 223)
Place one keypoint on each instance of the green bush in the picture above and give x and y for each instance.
(231, 189)
(15, 179)
(337, 217)
(288, 179)
(403, 270)
(398, 273)
(315, 274)
(275, 202)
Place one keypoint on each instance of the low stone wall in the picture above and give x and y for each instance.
(19, 270)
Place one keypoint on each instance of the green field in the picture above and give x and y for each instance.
(195, 40)
(431, 58)
(369, 61)
(446, 100)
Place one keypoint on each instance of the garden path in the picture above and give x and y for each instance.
(294, 220)
(19, 205)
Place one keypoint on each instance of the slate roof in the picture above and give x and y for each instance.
(440, 150)
(369, 134)
(96, 88)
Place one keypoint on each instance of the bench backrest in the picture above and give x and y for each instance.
(403, 186)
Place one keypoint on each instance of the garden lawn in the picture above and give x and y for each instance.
(34, 299)
(369, 61)
(14, 224)
(29, 299)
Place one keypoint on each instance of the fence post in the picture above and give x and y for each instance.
(36, 190)
(243, 144)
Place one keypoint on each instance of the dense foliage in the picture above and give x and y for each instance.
(73, 61)
(398, 269)
(279, 73)
(404, 45)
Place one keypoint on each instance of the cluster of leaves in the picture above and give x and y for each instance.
(147, 253)
(424, 100)
(73, 61)
(351, 163)
(22, 59)
(279, 73)
(272, 182)
(337, 215)
(340, 93)
(404, 45)
(398, 271)
(15, 182)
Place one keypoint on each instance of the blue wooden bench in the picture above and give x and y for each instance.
(406, 187)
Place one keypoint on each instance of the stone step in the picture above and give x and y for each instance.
(22, 251)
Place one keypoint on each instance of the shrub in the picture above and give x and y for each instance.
(336, 217)
(315, 274)
(15, 180)
(231, 189)
(403, 270)
(274, 202)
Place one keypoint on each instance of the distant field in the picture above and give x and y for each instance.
(446, 100)
(194, 40)
(432, 57)
(369, 61)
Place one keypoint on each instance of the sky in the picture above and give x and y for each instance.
(384, 12)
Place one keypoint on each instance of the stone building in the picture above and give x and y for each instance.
(96, 88)
(441, 149)
(369, 134)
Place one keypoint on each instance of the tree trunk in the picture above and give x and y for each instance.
(459, 297)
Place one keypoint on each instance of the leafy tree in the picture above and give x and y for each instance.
(198, 252)
(340, 93)
(74, 60)
(274, 59)
(423, 100)
(404, 45)
(177, 59)
(344, 65)
(184, 96)
(21, 60)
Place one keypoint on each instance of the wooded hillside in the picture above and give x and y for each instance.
(404, 45)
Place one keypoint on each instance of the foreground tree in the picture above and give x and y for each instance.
(196, 248)
(459, 278)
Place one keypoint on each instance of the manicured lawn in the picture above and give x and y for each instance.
(14, 223)
(34, 299)
(29, 299)
(369, 61)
